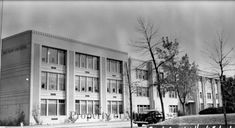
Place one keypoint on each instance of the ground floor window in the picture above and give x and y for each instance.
(87, 106)
(141, 108)
(52, 107)
(115, 107)
(173, 108)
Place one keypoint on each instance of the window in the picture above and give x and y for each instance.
(52, 109)
(90, 107)
(87, 106)
(172, 94)
(86, 61)
(77, 107)
(109, 106)
(83, 107)
(120, 107)
(114, 66)
(173, 108)
(115, 107)
(61, 82)
(61, 107)
(201, 106)
(90, 62)
(96, 85)
(44, 54)
(208, 95)
(108, 86)
(200, 94)
(43, 107)
(83, 83)
(141, 74)
(97, 108)
(61, 55)
(44, 80)
(86, 84)
(52, 81)
(89, 84)
(119, 84)
(141, 108)
(114, 86)
(77, 83)
(52, 56)
(142, 91)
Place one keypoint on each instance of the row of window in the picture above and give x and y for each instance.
(53, 56)
(143, 91)
(163, 93)
(141, 74)
(173, 108)
(141, 108)
(172, 94)
(209, 95)
(52, 81)
(87, 106)
(115, 107)
(114, 66)
(52, 107)
(86, 84)
(114, 86)
(86, 61)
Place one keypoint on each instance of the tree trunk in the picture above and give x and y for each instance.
(130, 95)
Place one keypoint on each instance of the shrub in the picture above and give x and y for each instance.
(219, 110)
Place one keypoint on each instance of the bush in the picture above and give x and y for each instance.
(213, 110)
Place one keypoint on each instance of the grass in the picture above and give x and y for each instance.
(200, 119)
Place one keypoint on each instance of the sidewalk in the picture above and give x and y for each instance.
(82, 124)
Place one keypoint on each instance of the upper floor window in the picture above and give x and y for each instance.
(208, 95)
(141, 74)
(86, 84)
(173, 108)
(86, 61)
(172, 94)
(52, 81)
(114, 66)
(114, 86)
(53, 56)
(53, 106)
(143, 91)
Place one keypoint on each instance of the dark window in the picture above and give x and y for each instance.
(77, 106)
(43, 108)
(83, 84)
(44, 54)
(52, 109)
(61, 107)
(90, 62)
(61, 57)
(44, 80)
(96, 84)
(53, 56)
(120, 107)
(77, 83)
(61, 82)
(109, 107)
(97, 108)
(89, 84)
(77, 60)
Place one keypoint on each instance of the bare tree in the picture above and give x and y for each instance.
(159, 52)
(221, 59)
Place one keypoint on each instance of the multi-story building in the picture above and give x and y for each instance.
(49, 77)
(53, 76)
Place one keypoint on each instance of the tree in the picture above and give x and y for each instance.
(182, 76)
(158, 52)
(221, 63)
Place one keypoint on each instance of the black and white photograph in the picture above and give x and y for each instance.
(117, 64)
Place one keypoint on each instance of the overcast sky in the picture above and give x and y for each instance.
(113, 24)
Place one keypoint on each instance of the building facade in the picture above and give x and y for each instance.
(49, 78)
(52, 76)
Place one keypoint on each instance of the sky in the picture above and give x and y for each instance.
(112, 24)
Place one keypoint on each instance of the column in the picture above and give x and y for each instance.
(103, 85)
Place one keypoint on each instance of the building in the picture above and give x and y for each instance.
(53, 76)
(49, 78)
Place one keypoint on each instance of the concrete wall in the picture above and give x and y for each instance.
(15, 76)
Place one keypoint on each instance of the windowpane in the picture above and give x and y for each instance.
(119, 84)
(118, 67)
(52, 109)
(83, 83)
(83, 107)
(114, 107)
(44, 80)
(108, 65)
(120, 107)
(61, 107)
(83, 61)
(112, 65)
(96, 104)
(77, 106)
(89, 84)
(53, 56)
(90, 62)
(90, 107)
(95, 59)
(114, 86)
(109, 107)
(61, 57)
(96, 84)
(77, 83)
(108, 86)
(77, 60)
(52, 81)
(44, 54)
(43, 108)
(61, 82)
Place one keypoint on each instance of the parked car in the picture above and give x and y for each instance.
(147, 117)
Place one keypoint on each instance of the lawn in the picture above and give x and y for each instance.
(200, 119)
